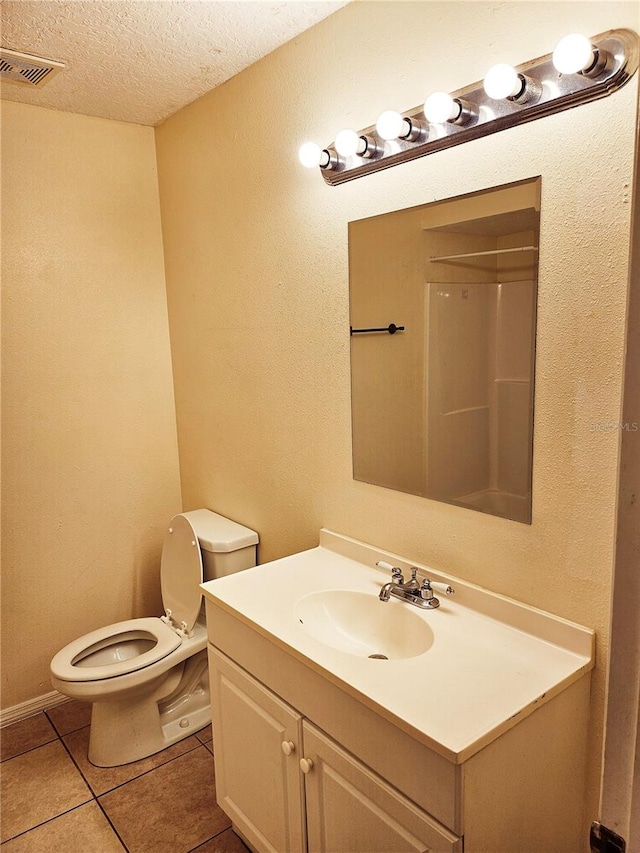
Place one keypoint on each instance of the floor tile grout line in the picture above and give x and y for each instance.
(92, 793)
(150, 770)
(109, 821)
(54, 732)
(133, 778)
(56, 728)
(164, 764)
(79, 769)
(93, 796)
(146, 772)
(211, 837)
(29, 749)
(48, 820)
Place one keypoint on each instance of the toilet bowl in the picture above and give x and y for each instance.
(147, 678)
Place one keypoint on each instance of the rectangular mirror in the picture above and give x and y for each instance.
(443, 314)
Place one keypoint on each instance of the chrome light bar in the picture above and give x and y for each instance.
(591, 68)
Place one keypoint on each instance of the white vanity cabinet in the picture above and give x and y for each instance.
(278, 775)
(479, 740)
(257, 744)
(350, 808)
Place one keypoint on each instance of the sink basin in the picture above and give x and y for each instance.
(358, 623)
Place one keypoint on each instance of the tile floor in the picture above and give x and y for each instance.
(54, 799)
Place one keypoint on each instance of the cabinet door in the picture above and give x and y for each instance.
(257, 783)
(350, 808)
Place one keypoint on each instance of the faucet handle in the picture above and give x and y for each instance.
(425, 591)
(443, 587)
(396, 572)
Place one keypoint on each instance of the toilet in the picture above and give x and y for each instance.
(147, 678)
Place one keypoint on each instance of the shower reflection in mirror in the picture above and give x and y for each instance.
(445, 409)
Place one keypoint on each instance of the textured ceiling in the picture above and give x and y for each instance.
(141, 60)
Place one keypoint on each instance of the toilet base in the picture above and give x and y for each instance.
(129, 729)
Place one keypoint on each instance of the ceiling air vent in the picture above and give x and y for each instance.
(26, 70)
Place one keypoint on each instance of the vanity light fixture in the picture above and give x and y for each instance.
(311, 155)
(575, 54)
(440, 107)
(579, 70)
(503, 81)
(348, 143)
(391, 125)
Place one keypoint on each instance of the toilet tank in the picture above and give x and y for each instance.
(226, 546)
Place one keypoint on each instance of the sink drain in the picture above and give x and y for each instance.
(379, 657)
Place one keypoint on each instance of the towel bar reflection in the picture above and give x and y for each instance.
(391, 329)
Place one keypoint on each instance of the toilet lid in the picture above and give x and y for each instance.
(181, 572)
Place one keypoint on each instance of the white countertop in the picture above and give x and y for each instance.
(492, 660)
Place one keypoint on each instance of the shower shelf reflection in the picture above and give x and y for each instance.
(489, 252)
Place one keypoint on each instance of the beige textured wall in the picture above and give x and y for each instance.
(90, 471)
(256, 261)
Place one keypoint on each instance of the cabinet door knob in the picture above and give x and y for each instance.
(288, 746)
(306, 765)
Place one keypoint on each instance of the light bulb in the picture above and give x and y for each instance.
(347, 143)
(440, 107)
(391, 125)
(573, 53)
(502, 81)
(310, 155)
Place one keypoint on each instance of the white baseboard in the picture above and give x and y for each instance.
(33, 706)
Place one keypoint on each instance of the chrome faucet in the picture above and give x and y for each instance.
(397, 582)
(411, 591)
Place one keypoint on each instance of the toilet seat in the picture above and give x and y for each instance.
(132, 645)
(151, 634)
